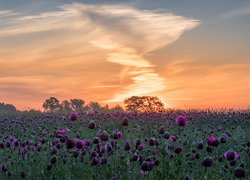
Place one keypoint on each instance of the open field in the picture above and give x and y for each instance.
(125, 145)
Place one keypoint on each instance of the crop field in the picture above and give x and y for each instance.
(175, 144)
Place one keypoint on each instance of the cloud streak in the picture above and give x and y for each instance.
(244, 11)
(80, 35)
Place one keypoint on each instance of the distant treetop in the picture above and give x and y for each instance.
(7, 107)
(143, 104)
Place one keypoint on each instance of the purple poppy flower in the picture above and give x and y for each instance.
(172, 138)
(108, 147)
(73, 116)
(208, 162)
(61, 132)
(162, 130)
(146, 167)
(152, 142)
(127, 145)
(212, 141)
(181, 120)
(103, 136)
(119, 134)
(178, 150)
(231, 155)
(239, 172)
(70, 143)
(141, 147)
(81, 144)
(92, 125)
(103, 160)
(125, 122)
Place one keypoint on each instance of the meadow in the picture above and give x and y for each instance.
(174, 144)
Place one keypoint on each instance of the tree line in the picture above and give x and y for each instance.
(7, 107)
(132, 104)
(78, 105)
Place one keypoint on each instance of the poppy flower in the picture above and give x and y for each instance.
(231, 155)
(207, 162)
(103, 160)
(181, 120)
(162, 130)
(152, 142)
(125, 122)
(92, 125)
(178, 150)
(70, 143)
(81, 144)
(73, 116)
(172, 138)
(141, 147)
(127, 145)
(103, 136)
(212, 141)
(146, 167)
(61, 132)
(108, 147)
(239, 172)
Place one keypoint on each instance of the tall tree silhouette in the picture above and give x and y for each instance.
(143, 104)
(51, 105)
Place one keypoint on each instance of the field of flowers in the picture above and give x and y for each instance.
(174, 145)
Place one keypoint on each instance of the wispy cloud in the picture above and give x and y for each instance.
(7, 13)
(244, 11)
(78, 36)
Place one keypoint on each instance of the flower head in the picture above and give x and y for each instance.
(212, 141)
(239, 172)
(125, 122)
(208, 162)
(172, 138)
(81, 144)
(73, 116)
(61, 132)
(92, 125)
(103, 136)
(231, 155)
(70, 143)
(103, 160)
(181, 120)
(146, 167)
(127, 145)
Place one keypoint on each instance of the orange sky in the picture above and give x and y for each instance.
(107, 53)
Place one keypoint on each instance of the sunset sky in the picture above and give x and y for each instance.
(191, 54)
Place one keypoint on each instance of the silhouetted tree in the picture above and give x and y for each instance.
(51, 105)
(94, 107)
(65, 106)
(144, 104)
(77, 104)
(117, 108)
(7, 107)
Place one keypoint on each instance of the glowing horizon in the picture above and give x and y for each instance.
(109, 52)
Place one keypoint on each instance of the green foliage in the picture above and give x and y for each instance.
(35, 126)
